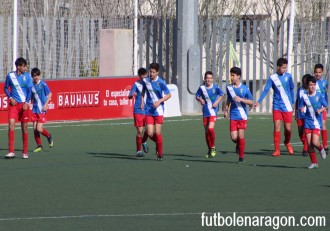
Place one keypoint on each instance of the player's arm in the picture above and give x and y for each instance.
(301, 105)
(28, 98)
(132, 92)
(220, 93)
(264, 92)
(49, 97)
(324, 105)
(199, 97)
(226, 106)
(8, 93)
(292, 93)
(166, 96)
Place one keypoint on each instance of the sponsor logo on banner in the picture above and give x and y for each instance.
(3, 102)
(78, 99)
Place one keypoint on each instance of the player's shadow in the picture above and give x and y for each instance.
(213, 160)
(116, 156)
(275, 166)
(328, 186)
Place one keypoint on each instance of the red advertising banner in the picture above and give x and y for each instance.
(84, 99)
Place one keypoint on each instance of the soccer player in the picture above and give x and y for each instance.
(322, 86)
(283, 100)
(41, 95)
(299, 116)
(140, 113)
(18, 88)
(209, 95)
(157, 94)
(239, 96)
(315, 104)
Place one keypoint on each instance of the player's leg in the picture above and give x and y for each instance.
(234, 138)
(324, 132)
(287, 135)
(138, 139)
(241, 145)
(25, 137)
(13, 115)
(150, 120)
(207, 135)
(37, 137)
(145, 136)
(277, 137)
(311, 151)
(302, 136)
(316, 143)
(11, 138)
(211, 132)
(287, 119)
(159, 140)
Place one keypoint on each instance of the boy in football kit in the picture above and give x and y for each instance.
(299, 116)
(239, 96)
(157, 94)
(315, 104)
(322, 86)
(41, 95)
(209, 95)
(139, 113)
(18, 88)
(283, 101)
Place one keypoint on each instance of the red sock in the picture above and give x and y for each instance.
(287, 137)
(304, 141)
(212, 136)
(208, 141)
(138, 143)
(45, 133)
(241, 146)
(37, 138)
(25, 142)
(159, 145)
(277, 138)
(320, 147)
(153, 138)
(312, 155)
(324, 138)
(145, 136)
(11, 140)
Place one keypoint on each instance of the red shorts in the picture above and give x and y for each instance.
(300, 122)
(16, 112)
(313, 131)
(285, 116)
(207, 120)
(154, 119)
(40, 118)
(237, 124)
(324, 115)
(139, 120)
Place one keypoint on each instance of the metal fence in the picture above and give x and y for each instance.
(60, 47)
(69, 47)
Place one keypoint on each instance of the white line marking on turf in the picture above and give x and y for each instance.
(144, 215)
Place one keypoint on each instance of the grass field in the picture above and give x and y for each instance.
(91, 179)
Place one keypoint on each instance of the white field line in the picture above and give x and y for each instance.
(144, 215)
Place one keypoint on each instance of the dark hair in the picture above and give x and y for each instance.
(154, 66)
(208, 73)
(319, 65)
(20, 62)
(236, 70)
(35, 71)
(310, 78)
(281, 61)
(142, 71)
